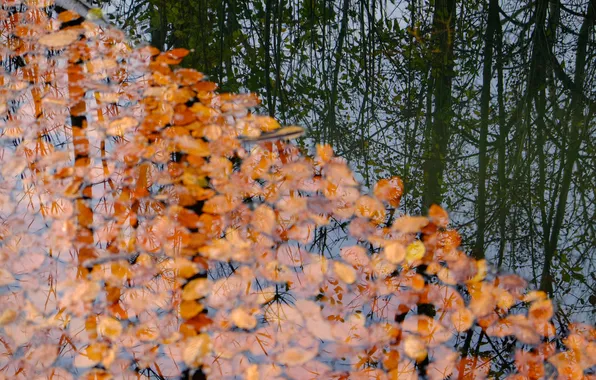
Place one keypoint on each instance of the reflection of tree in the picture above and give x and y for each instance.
(377, 82)
(439, 129)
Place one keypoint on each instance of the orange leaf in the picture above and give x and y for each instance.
(389, 190)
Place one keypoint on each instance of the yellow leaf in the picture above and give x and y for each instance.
(195, 289)
(119, 126)
(266, 123)
(535, 295)
(325, 152)
(109, 327)
(100, 65)
(264, 219)
(346, 273)
(13, 167)
(252, 372)
(481, 273)
(415, 348)
(193, 146)
(95, 14)
(109, 357)
(409, 224)
(389, 190)
(371, 208)
(243, 319)
(541, 310)
(7, 317)
(189, 309)
(91, 355)
(147, 333)
(196, 349)
(415, 251)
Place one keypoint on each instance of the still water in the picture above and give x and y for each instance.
(487, 109)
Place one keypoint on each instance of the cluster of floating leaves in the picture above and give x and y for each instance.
(141, 234)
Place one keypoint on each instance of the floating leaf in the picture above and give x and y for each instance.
(195, 289)
(8, 316)
(541, 310)
(109, 327)
(121, 126)
(13, 167)
(346, 273)
(91, 355)
(263, 219)
(197, 347)
(415, 251)
(415, 348)
(389, 190)
(462, 319)
(59, 39)
(6, 278)
(438, 216)
(243, 319)
(409, 224)
(371, 208)
(296, 356)
(190, 308)
(395, 253)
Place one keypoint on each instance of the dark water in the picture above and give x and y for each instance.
(486, 109)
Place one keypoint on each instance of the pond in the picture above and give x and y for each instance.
(156, 221)
(487, 110)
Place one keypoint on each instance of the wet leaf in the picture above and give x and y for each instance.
(462, 319)
(415, 251)
(8, 316)
(415, 348)
(243, 319)
(120, 126)
(6, 278)
(346, 273)
(197, 347)
(59, 39)
(109, 327)
(296, 356)
(395, 253)
(389, 190)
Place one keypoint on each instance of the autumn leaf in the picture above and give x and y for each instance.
(6, 278)
(415, 348)
(8, 316)
(462, 319)
(346, 273)
(395, 253)
(296, 356)
(109, 327)
(389, 190)
(59, 39)
(415, 251)
(197, 347)
(151, 224)
(120, 126)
